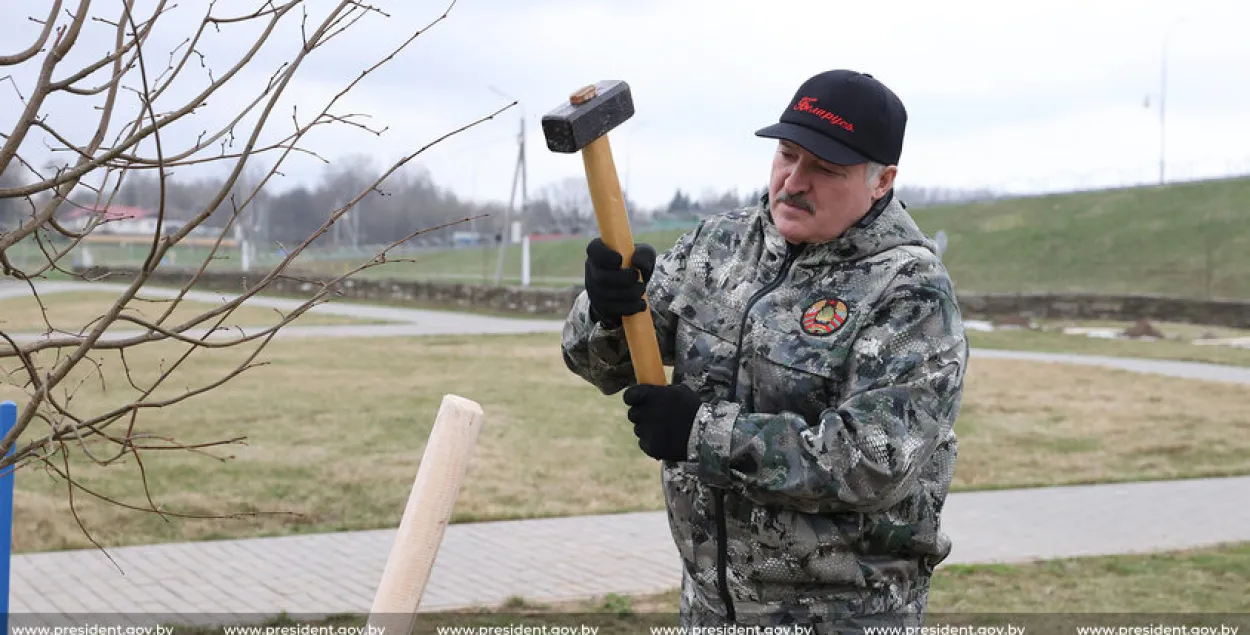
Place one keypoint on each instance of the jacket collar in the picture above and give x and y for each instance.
(886, 225)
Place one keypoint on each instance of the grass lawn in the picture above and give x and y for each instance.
(335, 430)
(76, 310)
(1207, 586)
(1189, 240)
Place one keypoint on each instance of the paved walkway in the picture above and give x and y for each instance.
(567, 558)
(1184, 370)
(415, 322)
(401, 321)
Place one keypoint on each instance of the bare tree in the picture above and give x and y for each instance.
(137, 97)
(570, 203)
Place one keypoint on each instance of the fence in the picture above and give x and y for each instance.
(556, 302)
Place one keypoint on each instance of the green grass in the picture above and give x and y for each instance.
(1187, 240)
(1182, 240)
(335, 430)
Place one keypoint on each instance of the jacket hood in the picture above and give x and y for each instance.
(886, 226)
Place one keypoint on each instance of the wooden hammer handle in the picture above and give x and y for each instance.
(605, 193)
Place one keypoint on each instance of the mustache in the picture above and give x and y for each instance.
(795, 200)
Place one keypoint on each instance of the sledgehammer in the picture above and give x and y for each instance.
(583, 125)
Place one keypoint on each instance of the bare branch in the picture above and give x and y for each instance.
(17, 90)
(70, 484)
(18, 58)
(130, 134)
(86, 166)
(65, 41)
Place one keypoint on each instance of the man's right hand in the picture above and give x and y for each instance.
(615, 292)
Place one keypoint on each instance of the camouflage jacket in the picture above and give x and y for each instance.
(831, 377)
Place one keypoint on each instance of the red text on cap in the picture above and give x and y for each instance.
(805, 105)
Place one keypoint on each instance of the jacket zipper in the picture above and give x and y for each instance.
(722, 547)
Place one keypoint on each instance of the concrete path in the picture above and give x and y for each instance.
(332, 307)
(403, 322)
(1183, 370)
(417, 322)
(568, 558)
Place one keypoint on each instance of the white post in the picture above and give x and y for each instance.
(525, 261)
(244, 250)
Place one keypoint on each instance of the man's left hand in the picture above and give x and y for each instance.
(662, 416)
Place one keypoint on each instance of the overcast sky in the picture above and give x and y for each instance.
(1001, 94)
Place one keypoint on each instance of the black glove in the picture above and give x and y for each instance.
(615, 292)
(662, 416)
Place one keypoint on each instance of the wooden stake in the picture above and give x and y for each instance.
(434, 492)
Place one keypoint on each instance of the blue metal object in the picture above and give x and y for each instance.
(8, 418)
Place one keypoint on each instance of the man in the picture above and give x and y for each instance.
(818, 359)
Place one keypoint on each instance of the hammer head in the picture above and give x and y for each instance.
(572, 127)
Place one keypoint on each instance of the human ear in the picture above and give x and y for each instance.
(885, 181)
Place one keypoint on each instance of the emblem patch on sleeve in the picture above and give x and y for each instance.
(824, 317)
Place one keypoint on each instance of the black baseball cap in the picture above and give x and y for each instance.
(844, 117)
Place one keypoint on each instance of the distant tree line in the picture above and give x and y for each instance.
(410, 199)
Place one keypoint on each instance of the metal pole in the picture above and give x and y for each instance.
(525, 260)
(505, 232)
(524, 176)
(1163, 98)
